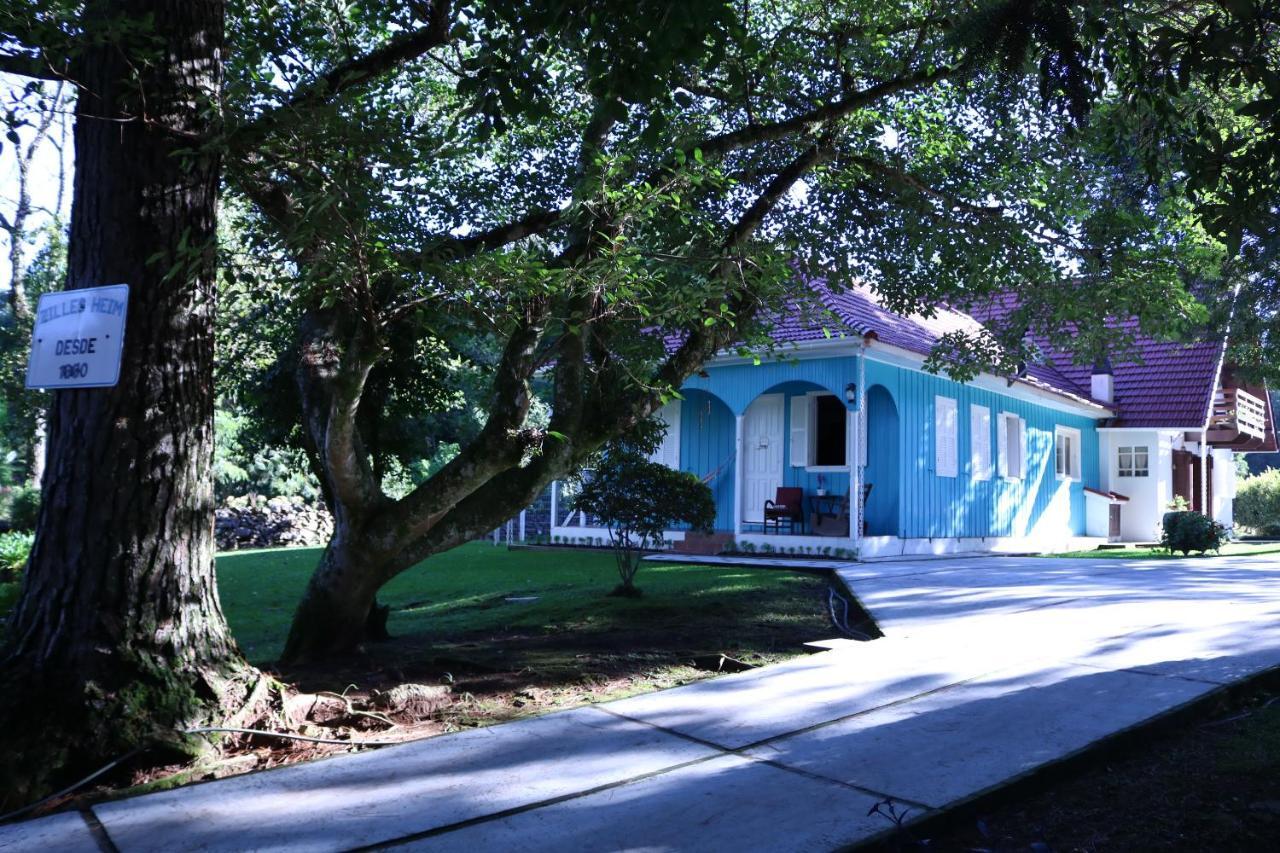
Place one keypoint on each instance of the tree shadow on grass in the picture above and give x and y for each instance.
(602, 649)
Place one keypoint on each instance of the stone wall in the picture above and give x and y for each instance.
(256, 522)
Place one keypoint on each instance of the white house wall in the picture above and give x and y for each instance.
(1224, 485)
(1150, 496)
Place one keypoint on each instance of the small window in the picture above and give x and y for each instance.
(830, 420)
(980, 442)
(1133, 462)
(1012, 454)
(945, 440)
(1066, 443)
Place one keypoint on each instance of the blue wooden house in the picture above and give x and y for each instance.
(864, 450)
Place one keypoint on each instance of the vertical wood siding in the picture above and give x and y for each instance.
(933, 506)
(928, 506)
(706, 444)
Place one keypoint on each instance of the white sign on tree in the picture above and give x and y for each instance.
(78, 338)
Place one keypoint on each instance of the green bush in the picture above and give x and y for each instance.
(24, 508)
(15, 548)
(1191, 531)
(1257, 502)
(638, 500)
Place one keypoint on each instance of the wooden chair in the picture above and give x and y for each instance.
(787, 505)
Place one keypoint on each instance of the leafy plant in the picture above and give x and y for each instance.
(1191, 531)
(1257, 502)
(15, 548)
(638, 500)
(24, 508)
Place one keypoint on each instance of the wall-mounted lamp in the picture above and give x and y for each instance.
(851, 393)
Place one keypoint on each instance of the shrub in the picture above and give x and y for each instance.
(24, 508)
(638, 500)
(1257, 502)
(15, 548)
(1191, 531)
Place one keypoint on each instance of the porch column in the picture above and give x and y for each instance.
(852, 455)
(738, 470)
(858, 461)
(1204, 473)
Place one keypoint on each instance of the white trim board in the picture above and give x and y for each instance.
(872, 547)
(848, 347)
(898, 357)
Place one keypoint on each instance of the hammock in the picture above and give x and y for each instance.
(713, 478)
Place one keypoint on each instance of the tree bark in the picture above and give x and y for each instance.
(339, 606)
(118, 638)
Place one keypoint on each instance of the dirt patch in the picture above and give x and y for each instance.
(423, 685)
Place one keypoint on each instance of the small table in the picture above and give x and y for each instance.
(829, 515)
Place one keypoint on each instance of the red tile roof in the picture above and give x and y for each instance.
(1169, 385)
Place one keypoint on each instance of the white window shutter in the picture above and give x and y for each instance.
(945, 457)
(1002, 445)
(799, 431)
(668, 453)
(1022, 449)
(980, 442)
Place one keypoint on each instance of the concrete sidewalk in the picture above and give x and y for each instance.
(989, 670)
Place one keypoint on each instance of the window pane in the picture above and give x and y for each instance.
(829, 443)
(1014, 442)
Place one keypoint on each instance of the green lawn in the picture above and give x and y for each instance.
(465, 591)
(1234, 549)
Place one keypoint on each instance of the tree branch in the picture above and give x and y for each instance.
(37, 66)
(751, 135)
(499, 445)
(445, 249)
(704, 341)
(331, 376)
(402, 48)
(914, 182)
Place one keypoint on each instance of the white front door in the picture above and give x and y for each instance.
(761, 455)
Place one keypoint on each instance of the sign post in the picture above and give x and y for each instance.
(78, 338)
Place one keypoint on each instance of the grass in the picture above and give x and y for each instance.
(465, 591)
(1206, 787)
(563, 642)
(1233, 549)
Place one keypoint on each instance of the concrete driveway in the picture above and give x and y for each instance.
(990, 669)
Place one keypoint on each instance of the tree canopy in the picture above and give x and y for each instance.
(599, 200)
(593, 198)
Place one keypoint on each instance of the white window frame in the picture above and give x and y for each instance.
(1072, 436)
(980, 457)
(1132, 452)
(946, 436)
(1003, 452)
(805, 438)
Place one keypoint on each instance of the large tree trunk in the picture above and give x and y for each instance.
(118, 638)
(339, 610)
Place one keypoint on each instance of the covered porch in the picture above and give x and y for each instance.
(783, 446)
